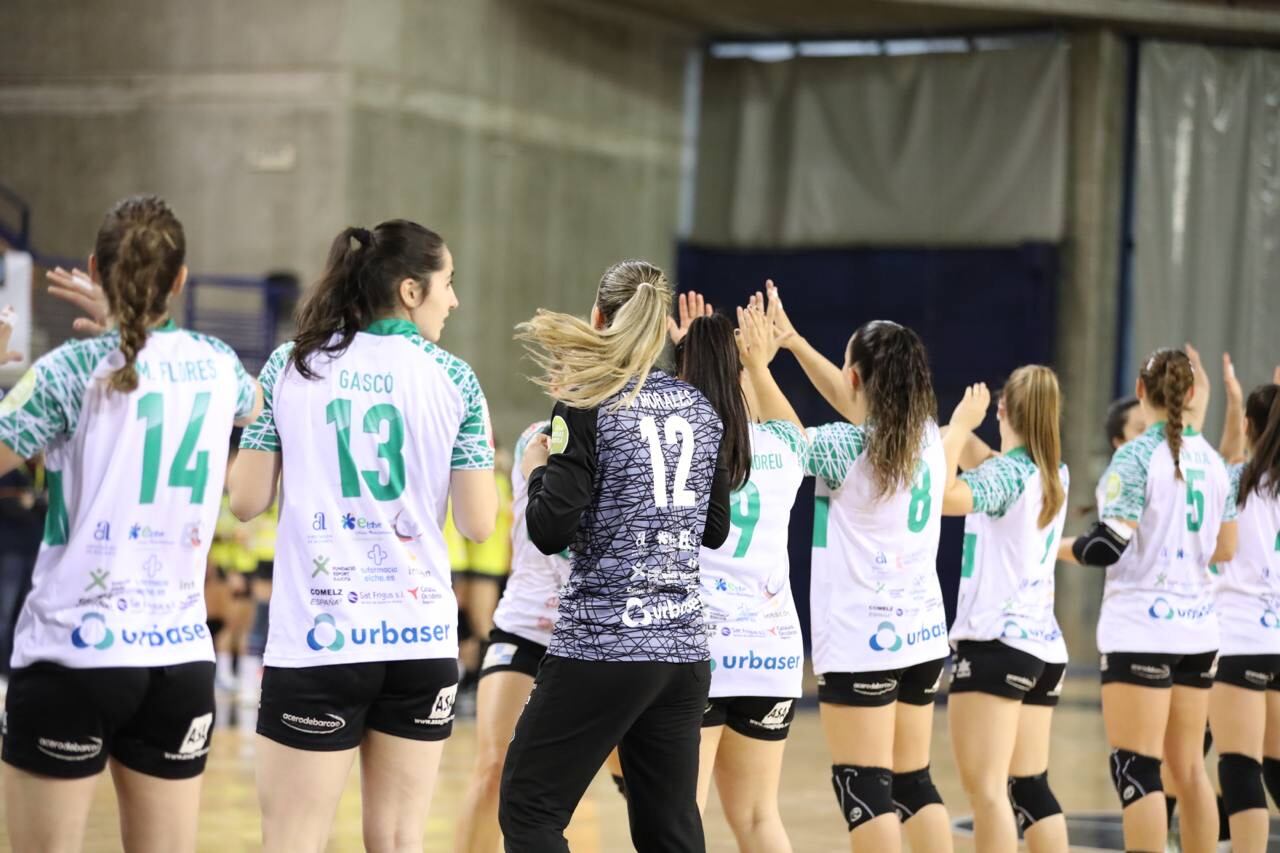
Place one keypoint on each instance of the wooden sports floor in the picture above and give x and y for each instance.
(229, 821)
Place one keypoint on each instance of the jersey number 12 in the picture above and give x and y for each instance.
(676, 429)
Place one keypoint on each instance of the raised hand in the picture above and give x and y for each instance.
(1230, 384)
(777, 314)
(84, 293)
(8, 319)
(972, 408)
(691, 306)
(757, 339)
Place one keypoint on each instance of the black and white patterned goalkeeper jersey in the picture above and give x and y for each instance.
(634, 492)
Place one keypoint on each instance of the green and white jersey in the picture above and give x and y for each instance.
(135, 482)
(1158, 597)
(530, 603)
(368, 447)
(875, 600)
(1007, 570)
(1248, 591)
(753, 630)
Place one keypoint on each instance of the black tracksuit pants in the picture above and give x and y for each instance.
(578, 712)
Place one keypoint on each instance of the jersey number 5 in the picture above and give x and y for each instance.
(676, 429)
(1195, 499)
(182, 474)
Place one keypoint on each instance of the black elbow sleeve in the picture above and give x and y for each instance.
(1099, 546)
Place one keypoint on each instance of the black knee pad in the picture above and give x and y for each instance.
(1241, 780)
(864, 793)
(622, 785)
(1032, 799)
(912, 792)
(1134, 775)
(1271, 776)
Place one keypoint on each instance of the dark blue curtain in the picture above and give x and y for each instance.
(981, 313)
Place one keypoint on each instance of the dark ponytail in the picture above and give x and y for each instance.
(360, 284)
(709, 361)
(1262, 472)
(1167, 377)
(140, 251)
(894, 370)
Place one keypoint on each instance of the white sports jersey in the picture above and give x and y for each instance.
(1248, 592)
(530, 604)
(875, 599)
(135, 482)
(362, 569)
(752, 628)
(1007, 571)
(1158, 596)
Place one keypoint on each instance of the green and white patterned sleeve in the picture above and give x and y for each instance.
(792, 436)
(1125, 481)
(995, 485)
(473, 448)
(1232, 510)
(833, 448)
(45, 404)
(262, 434)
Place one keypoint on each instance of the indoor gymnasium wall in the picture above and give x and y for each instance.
(541, 142)
(543, 158)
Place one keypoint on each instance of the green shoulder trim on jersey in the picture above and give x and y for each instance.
(392, 326)
(244, 383)
(261, 434)
(833, 448)
(46, 402)
(1158, 426)
(1125, 480)
(999, 481)
(473, 448)
(790, 435)
(525, 437)
(169, 325)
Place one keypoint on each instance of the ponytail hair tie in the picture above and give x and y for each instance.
(363, 236)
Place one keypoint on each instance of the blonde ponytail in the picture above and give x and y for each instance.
(1032, 403)
(583, 366)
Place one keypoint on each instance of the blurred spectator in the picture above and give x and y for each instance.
(22, 511)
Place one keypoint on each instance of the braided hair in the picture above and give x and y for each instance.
(140, 251)
(1167, 378)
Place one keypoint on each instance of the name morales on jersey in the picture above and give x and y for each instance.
(677, 399)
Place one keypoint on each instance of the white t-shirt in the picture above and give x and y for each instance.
(1248, 592)
(752, 628)
(135, 482)
(362, 569)
(875, 599)
(1158, 597)
(530, 604)
(1007, 571)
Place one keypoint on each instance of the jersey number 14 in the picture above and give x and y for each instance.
(183, 473)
